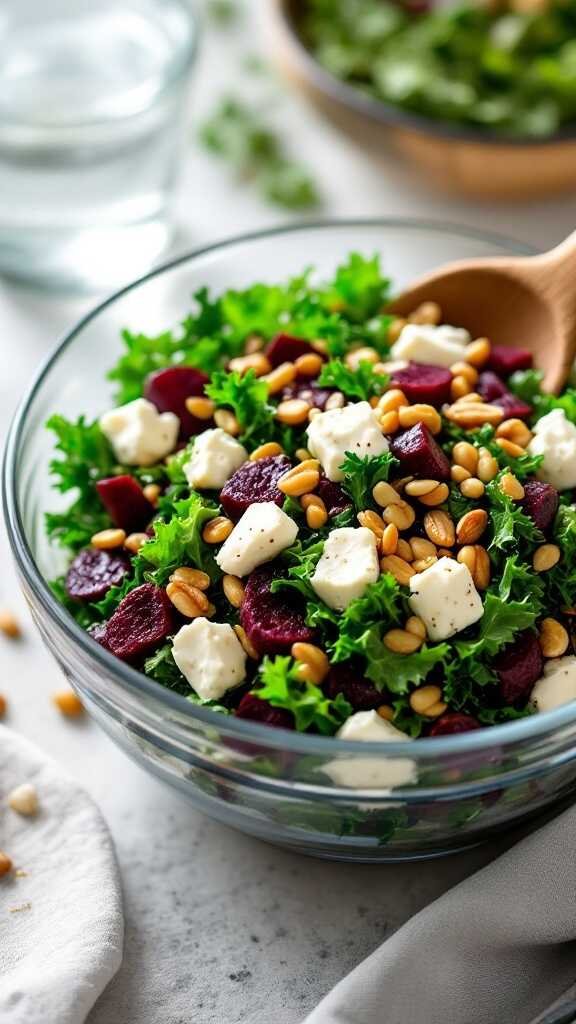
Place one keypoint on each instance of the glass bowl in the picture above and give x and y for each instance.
(430, 797)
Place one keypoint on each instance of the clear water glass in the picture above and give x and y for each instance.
(92, 98)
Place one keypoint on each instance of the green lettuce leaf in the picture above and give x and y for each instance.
(280, 686)
(361, 383)
(362, 473)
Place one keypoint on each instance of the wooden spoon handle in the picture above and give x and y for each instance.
(554, 275)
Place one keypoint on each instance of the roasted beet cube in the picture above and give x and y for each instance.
(169, 389)
(419, 454)
(423, 383)
(253, 482)
(315, 395)
(273, 622)
(540, 502)
(453, 722)
(142, 620)
(256, 710)
(506, 359)
(518, 667)
(335, 499)
(284, 348)
(348, 679)
(124, 500)
(93, 572)
(491, 386)
(514, 408)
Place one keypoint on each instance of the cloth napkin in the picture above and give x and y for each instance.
(61, 921)
(497, 949)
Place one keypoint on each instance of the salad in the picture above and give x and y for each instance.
(507, 67)
(306, 512)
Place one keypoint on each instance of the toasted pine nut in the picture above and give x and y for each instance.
(107, 540)
(226, 420)
(217, 530)
(401, 641)
(553, 638)
(389, 422)
(256, 361)
(320, 345)
(416, 626)
(395, 329)
(384, 494)
(233, 590)
(24, 800)
(302, 454)
(438, 496)
(459, 387)
(478, 352)
(474, 414)
(472, 398)
(9, 624)
(264, 451)
(400, 513)
(487, 466)
(6, 864)
(152, 492)
(390, 539)
(424, 697)
(253, 344)
(301, 479)
(193, 577)
(386, 712)
(426, 313)
(68, 703)
(471, 526)
(392, 400)
(316, 515)
(472, 488)
(336, 401)
(293, 411)
(372, 521)
(309, 365)
(439, 528)
(3, 705)
(416, 488)
(247, 644)
(280, 377)
(465, 455)
(361, 355)
(477, 560)
(201, 408)
(510, 485)
(436, 709)
(421, 564)
(410, 415)
(401, 570)
(190, 601)
(314, 659)
(546, 557)
(512, 449)
(466, 370)
(515, 430)
(422, 548)
(403, 549)
(458, 474)
(134, 541)
(445, 553)
(400, 484)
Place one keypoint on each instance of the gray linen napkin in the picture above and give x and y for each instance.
(497, 949)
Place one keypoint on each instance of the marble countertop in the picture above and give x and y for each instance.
(222, 929)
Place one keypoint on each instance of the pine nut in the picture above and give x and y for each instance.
(445, 553)
(217, 530)
(472, 488)
(459, 387)
(440, 528)
(477, 560)
(472, 398)
(24, 800)
(253, 344)
(465, 370)
(152, 492)
(385, 495)
(426, 313)
(474, 414)
(247, 644)
(546, 557)
(316, 515)
(421, 564)
(390, 539)
(389, 422)
(280, 377)
(6, 864)
(416, 626)
(403, 549)
(313, 659)
(134, 541)
(410, 415)
(302, 454)
(424, 698)
(256, 361)
(553, 638)
(201, 408)
(68, 703)
(487, 466)
(515, 430)
(465, 455)
(309, 365)
(458, 474)
(471, 526)
(386, 712)
(301, 479)
(9, 624)
(478, 352)
(3, 705)
(392, 400)
(400, 484)
(189, 601)
(416, 488)
(395, 329)
(422, 548)
(107, 540)
(226, 420)
(372, 521)
(361, 355)
(264, 451)
(401, 570)
(512, 449)
(233, 590)
(192, 577)
(401, 514)
(436, 709)
(336, 401)
(293, 411)
(319, 345)
(510, 485)
(438, 496)
(401, 641)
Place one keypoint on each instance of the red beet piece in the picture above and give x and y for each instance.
(452, 723)
(313, 394)
(273, 622)
(490, 386)
(514, 408)
(252, 482)
(540, 502)
(285, 348)
(506, 359)
(419, 454)
(93, 572)
(169, 389)
(348, 679)
(335, 499)
(124, 500)
(518, 667)
(98, 633)
(256, 710)
(423, 383)
(142, 620)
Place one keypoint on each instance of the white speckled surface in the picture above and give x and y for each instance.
(220, 928)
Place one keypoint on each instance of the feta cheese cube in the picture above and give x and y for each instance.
(349, 562)
(139, 434)
(371, 772)
(354, 428)
(210, 657)
(425, 343)
(262, 533)
(557, 685)
(445, 598)
(216, 455)
(555, 439)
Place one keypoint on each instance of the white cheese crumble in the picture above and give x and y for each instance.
(557, 685)
(445, 598)
(555, 439)
(216, 455)
(210, 657)
(139, 434)
(425, 343)
(371, 772)
(354, 428)
(262, 533)
(349, 562)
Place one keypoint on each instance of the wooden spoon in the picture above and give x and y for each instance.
(529, 302)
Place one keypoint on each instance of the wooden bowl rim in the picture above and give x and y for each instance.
(386, 113)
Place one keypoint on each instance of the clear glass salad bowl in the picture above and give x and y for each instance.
(280, 786)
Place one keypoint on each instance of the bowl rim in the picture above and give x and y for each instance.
(503, 735)
(387, 114)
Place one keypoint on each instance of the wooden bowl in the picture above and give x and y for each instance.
(457, 159)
